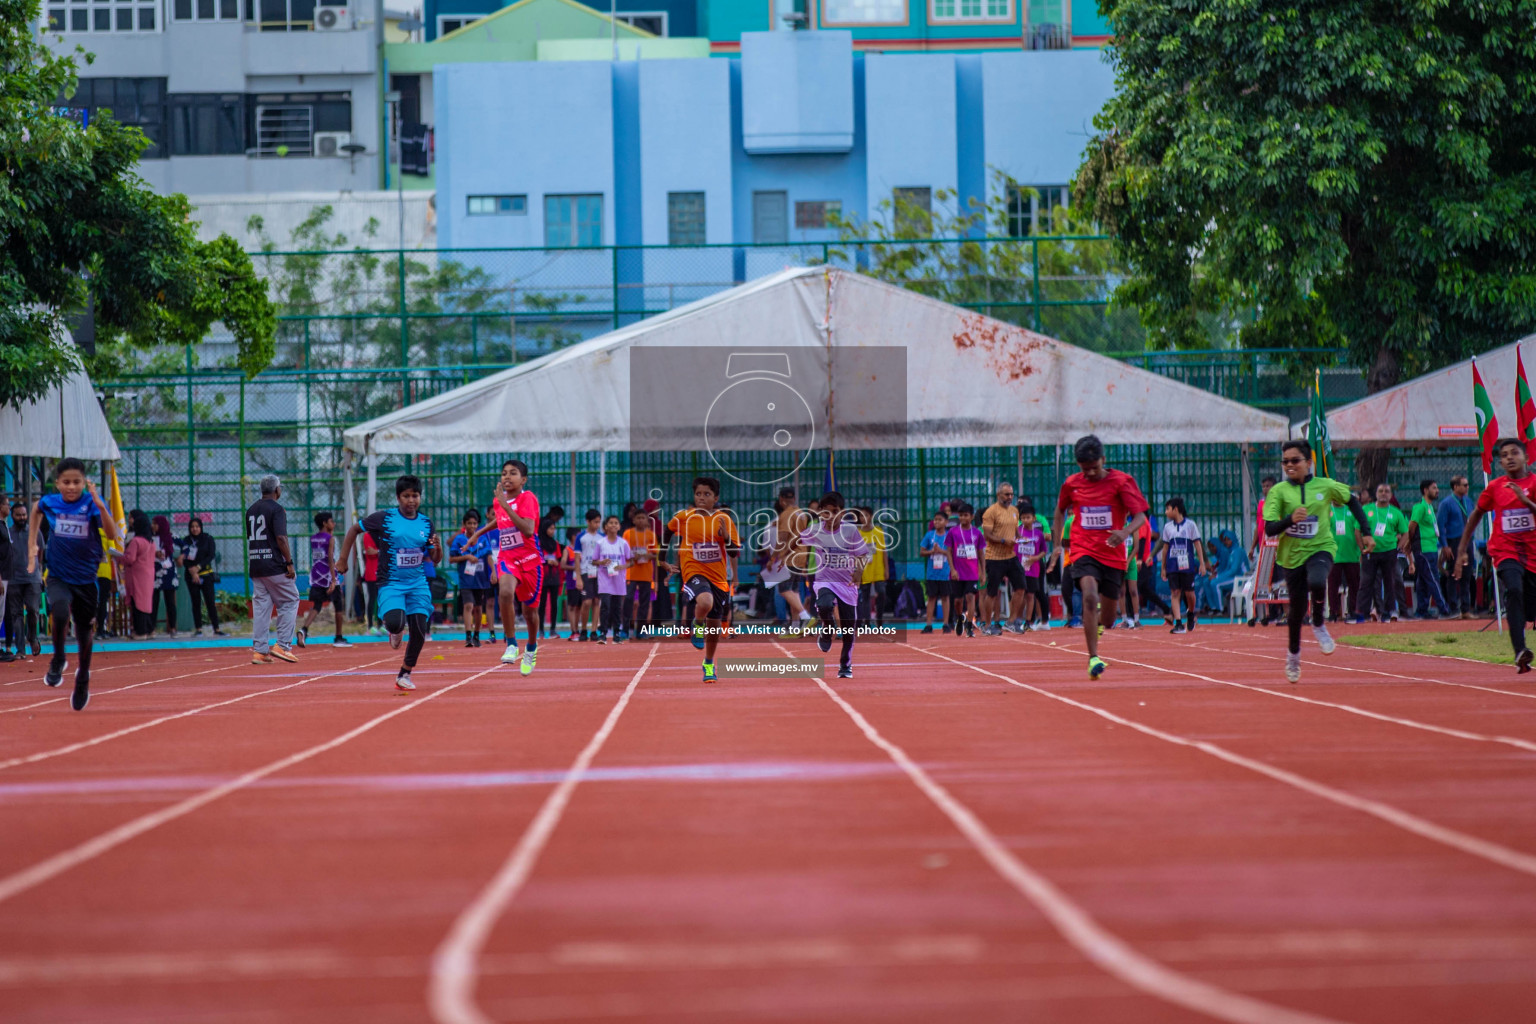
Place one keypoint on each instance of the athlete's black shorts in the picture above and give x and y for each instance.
(589, 588)
(934, 589)
(322, 596)
(785, 586)
(1110, 580)
(999, 569)
(962, 588)
(77, 598)
(698, 584)
(1181, 580)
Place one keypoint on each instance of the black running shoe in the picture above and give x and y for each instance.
(824, 641)
(1523, 662)
(82, 695)
(846, 672)
(55, 674)
(469, 641)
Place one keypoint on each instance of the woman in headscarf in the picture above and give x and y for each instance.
(138, 561)
(166, 580)
(1230, 563)
(198, 554)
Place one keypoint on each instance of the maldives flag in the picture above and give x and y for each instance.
(1525, 407)
(1487, 422)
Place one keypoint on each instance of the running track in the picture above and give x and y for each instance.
(967, 831)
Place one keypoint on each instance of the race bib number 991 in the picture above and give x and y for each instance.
(1306, 528)
(1096, 517)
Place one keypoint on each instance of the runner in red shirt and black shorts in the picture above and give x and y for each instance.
(519, 563)
(1512, 546)
(1110, 508)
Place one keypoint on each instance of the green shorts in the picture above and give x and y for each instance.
(1130, 570)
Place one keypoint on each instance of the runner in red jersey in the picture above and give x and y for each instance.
(1511, 499)
(520, 563)
(1109, 508)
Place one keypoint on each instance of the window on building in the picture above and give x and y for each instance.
(135, 101)
(104, 16)
(913, 210)
(285, 15)
(685, 218)
(1036, 209)
(207, 124)
(205, 10)
(864, 12)
(284, 124)
(654, 22)
(770, 217)
(1047, 25)
(453, 22)
(813, 215)
(571, 221)
(972, 10)
(493, 206)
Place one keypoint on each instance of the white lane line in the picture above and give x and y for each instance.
(455, 965)
(1104, 948)
(59, 863)
(120, 689)
(1482, 848)
(44, 755)
(1461, 734)
(1531, 695)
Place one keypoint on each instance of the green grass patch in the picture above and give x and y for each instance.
(1491, 646)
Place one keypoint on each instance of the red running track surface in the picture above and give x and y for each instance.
(969, 830)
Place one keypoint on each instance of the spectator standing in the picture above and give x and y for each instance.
(1424, 549)
(1000, 526)
(5, 580)
(936, 569)
(872, 577)
(1344, 577)
(371, 585)
(1451, 518)
(640, 577)
(24, 592)
(198, 554)
(272, 576)
(138, 561)
(165, 572)
(1378, 573)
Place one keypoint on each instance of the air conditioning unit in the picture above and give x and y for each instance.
(331, 143)
(333, 19)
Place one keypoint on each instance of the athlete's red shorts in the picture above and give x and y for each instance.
(528, 576)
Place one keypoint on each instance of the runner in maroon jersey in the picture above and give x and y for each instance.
(1512, 546)
(1109, 508)
(520, 563)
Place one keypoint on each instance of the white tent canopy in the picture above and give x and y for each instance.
(1435, 409)
(969, 380)
(65, 422)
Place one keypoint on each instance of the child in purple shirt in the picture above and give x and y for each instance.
(1032, 548)
(965, 544)
(841, 552)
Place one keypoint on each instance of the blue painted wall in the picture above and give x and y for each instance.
(910, 110)
(654, 127)
(1038, 109)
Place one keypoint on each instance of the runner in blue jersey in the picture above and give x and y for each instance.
(74, 515)
(407, 544)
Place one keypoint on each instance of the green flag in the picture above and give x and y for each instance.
(1317, 429)
(1487, 422)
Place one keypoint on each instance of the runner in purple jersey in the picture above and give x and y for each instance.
(841, 552)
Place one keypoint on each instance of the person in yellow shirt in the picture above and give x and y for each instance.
(876, 570)
(106, 586)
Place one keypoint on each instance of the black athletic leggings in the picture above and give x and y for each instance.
(1378, 583)
(66, 601)
(1309, 579)
(396, 621)
(1517, 584)
(836, 613)
(1344, 590)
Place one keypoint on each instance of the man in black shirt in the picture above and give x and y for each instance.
(5, 574)
(272, 577)
(24, 591)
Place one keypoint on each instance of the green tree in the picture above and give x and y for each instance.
(932, 251)
(1358, 174)
(76, 219)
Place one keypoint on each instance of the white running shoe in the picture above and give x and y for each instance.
(510, 655)
(530, 659)
(1325, 641)
(1293, 667)
(403, 681)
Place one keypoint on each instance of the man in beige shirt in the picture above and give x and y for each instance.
(1000, 525)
